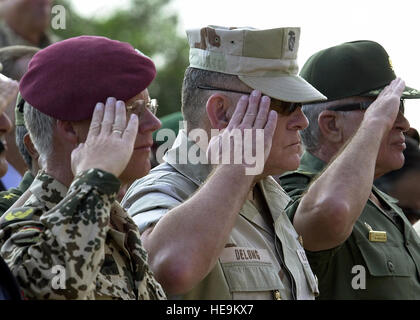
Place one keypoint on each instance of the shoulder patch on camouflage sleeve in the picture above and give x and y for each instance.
(17, 214)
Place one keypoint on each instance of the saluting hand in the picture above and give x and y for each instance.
(386, 106)
(110, 141)
(251, 114)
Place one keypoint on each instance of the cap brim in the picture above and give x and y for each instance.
(291, 88)
(408, 93)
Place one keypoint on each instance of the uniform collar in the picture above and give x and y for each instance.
(310, 163)
(26, 181)
(178, 158)
(48, 190)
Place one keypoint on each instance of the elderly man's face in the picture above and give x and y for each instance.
(390, 156)
(286, 147)
(139, 164)
(37, 13)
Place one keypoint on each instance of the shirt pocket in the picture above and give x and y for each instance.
(384, 260)
(252, 280)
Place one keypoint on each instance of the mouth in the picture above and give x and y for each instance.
(294, 144)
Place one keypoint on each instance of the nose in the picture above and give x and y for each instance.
(298, 120)
(149, 122)
(402, 123)
(5, 124)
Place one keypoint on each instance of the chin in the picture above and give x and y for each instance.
(134, 171)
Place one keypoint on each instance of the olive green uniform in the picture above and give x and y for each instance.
(360, 268)
(80, 235)
(9, 197)
(258, 261)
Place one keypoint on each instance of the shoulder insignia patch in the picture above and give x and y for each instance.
(9, 196)
(18, 214)
(23, 213)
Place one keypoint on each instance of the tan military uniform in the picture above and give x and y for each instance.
(258, 262)
(10, 38)
(81, 233)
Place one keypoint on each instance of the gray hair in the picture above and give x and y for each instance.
(194, 99)
(40, 128)
(21, 131)
(311, 135)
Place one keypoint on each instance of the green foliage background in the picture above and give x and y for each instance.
(149, 27)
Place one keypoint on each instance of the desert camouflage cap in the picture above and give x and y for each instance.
(357, 68)
(263, 59)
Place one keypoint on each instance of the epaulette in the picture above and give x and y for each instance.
(17, 214)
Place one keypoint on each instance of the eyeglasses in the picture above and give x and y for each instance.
(139, 107)
(283, 107)
(360, 106)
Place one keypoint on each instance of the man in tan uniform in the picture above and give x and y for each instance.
(230, 239)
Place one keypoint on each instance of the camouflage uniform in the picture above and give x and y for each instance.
(84, 231)
(10, 38)
(9, 197)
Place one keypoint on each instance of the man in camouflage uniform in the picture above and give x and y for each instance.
(24, 22)
(358, 241)
(218, 232)
(71, 239)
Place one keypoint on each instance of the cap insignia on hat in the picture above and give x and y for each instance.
(292, 39)
(212, 37)
(390, 63)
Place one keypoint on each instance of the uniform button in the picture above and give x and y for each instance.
(391, 266)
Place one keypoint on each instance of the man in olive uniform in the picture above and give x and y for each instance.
(71, 239)
(358, 242)
(230, 239)
(25, 22)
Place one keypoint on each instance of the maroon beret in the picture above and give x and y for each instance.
(68, 78)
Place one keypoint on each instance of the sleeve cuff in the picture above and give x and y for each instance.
(104, 182)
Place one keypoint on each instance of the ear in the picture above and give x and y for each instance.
(27, 141)
(330, 126)
(66, 130)
(217, 111)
